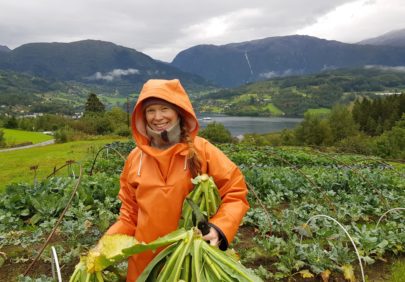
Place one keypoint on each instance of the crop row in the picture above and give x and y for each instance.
(287, 187)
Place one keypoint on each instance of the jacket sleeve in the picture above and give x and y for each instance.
(232, 189)
(127, 220)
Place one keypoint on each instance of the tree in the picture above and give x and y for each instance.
(216, 133)
(11, 122)
(2, 139)
(93, 105)
(119, 121)
(392, 142)
(361, 113)
(93, 124)
(314, 130)
(341, 123)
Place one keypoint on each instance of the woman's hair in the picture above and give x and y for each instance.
(193, 160)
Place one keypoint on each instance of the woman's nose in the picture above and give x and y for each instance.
(158, 115)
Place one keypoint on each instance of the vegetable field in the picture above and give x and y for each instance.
(315, 216)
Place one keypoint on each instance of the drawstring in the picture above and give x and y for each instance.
(185, 162)
(140, 164)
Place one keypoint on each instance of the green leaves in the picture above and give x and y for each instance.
(192, 259)
(205, 195)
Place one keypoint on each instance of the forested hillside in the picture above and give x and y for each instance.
(293, 96)
(23, 93)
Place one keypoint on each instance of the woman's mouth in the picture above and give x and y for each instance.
(161, 127)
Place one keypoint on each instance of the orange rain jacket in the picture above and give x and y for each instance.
(154, 183)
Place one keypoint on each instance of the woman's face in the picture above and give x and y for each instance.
(160, 117)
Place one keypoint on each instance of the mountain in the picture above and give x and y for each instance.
(93, 62)
(393, 38)
(4, 48)
(239, 63)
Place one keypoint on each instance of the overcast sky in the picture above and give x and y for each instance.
(163, 28)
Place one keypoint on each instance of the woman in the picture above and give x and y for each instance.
(156, 176)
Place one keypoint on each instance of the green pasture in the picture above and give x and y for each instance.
(14, 137)
(113, 100)
(15, 165)
(274, 110)
(318, 111)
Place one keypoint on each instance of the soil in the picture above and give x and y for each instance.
(9, 272)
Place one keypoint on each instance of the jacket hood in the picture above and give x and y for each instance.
(171, 91)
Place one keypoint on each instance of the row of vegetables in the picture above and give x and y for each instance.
(288, 186)
(318, 201)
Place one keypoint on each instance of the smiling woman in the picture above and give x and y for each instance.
(156, 176)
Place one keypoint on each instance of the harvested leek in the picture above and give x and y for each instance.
(192, 259)
(205, 195)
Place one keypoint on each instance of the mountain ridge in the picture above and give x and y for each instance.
(393, 38)
(4, 48)
(235, 64)
(91, 61)
(119, 68)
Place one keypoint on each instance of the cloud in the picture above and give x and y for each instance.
(272, 74)
(358, 20)
(179, 24)
(269, 74)
(388, 68)
(114, 74)
(218, 26)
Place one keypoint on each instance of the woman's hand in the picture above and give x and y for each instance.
(212, 236)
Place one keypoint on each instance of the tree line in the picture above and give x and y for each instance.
(95, 121)
(376, 116)
(372, 127)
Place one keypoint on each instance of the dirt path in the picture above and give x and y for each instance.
(49, 142)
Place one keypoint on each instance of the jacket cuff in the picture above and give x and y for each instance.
(223, 242)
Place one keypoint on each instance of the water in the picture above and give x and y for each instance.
(239, 125)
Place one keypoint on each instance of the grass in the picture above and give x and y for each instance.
(274, 110)
(121, 100)
(14, 137)
(398, 271)
(15, 165)
(319, 111)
